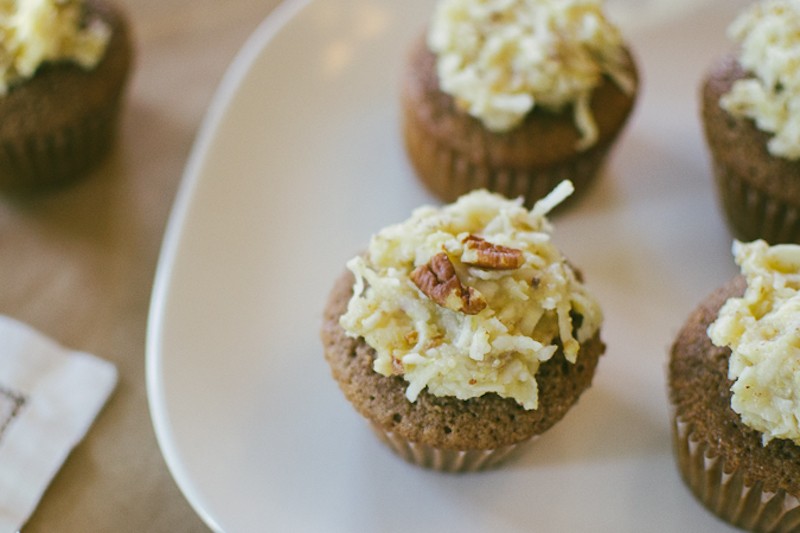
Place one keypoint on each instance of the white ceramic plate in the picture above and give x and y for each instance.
(299, 161)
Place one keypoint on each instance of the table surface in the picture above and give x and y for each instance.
(78, 264)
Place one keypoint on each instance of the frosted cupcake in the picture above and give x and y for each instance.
(463, 332)
(751, 116)
(734, 387)
(63, 68)
(515, 96)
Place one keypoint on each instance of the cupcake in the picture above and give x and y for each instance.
(515, 96)
(751, 118)
(462, 333)
(63, 69)
(735, 393)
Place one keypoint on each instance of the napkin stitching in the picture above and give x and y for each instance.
(17, 401)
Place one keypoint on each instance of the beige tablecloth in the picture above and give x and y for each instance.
(78, 265)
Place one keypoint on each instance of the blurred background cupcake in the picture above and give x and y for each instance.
(751, 116)
(63, 69)
(515, 96)
(734, 385)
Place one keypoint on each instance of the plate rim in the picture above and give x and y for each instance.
(225, 93)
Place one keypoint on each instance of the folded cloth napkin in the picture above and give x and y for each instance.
(49, 396)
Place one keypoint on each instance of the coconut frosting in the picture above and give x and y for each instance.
(500, 58)
(762, 329)
(529, 309)
(769, 33)
(36, 31)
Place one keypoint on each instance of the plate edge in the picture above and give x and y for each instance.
(227, 89)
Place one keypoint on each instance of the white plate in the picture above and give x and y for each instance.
(299, 161)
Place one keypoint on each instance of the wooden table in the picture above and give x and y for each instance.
(78, 264)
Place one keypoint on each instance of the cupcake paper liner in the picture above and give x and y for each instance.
(442, 460)
(45, 161)
(725, 492)
(449, 173)
(752, 213)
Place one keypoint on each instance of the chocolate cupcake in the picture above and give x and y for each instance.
(59, 112)
(742, 467)
(751, 119)
(462, 333)
(526, 103)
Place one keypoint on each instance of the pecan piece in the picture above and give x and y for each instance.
(434, 342)
(439, 282)
(397, 366)
(483, 254)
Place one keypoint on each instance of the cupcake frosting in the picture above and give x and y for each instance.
(500, 58)
(470, 298)
(762, 329)
(769, 33)
(36, 31)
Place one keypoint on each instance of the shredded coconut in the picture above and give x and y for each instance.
(500, 58)
(529, 309)
(762, 330)
(35, 31)
(770, 37)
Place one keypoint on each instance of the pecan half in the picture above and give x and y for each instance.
(483, 254)
(439, 282)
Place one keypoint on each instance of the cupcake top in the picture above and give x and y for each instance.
(762, 329)
(470, 298)
(36, 31)
(500, 58)
(769, 33)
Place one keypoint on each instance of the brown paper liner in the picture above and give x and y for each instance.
(725, 493)
(33, 162)
(442, 460)
(752, 213)
(449, 173)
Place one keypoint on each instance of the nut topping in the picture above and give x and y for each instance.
(397, 366)
(483, 254)
(439, 282)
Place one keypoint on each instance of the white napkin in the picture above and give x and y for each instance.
(49, 396)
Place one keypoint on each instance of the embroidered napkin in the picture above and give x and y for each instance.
(49, 396)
